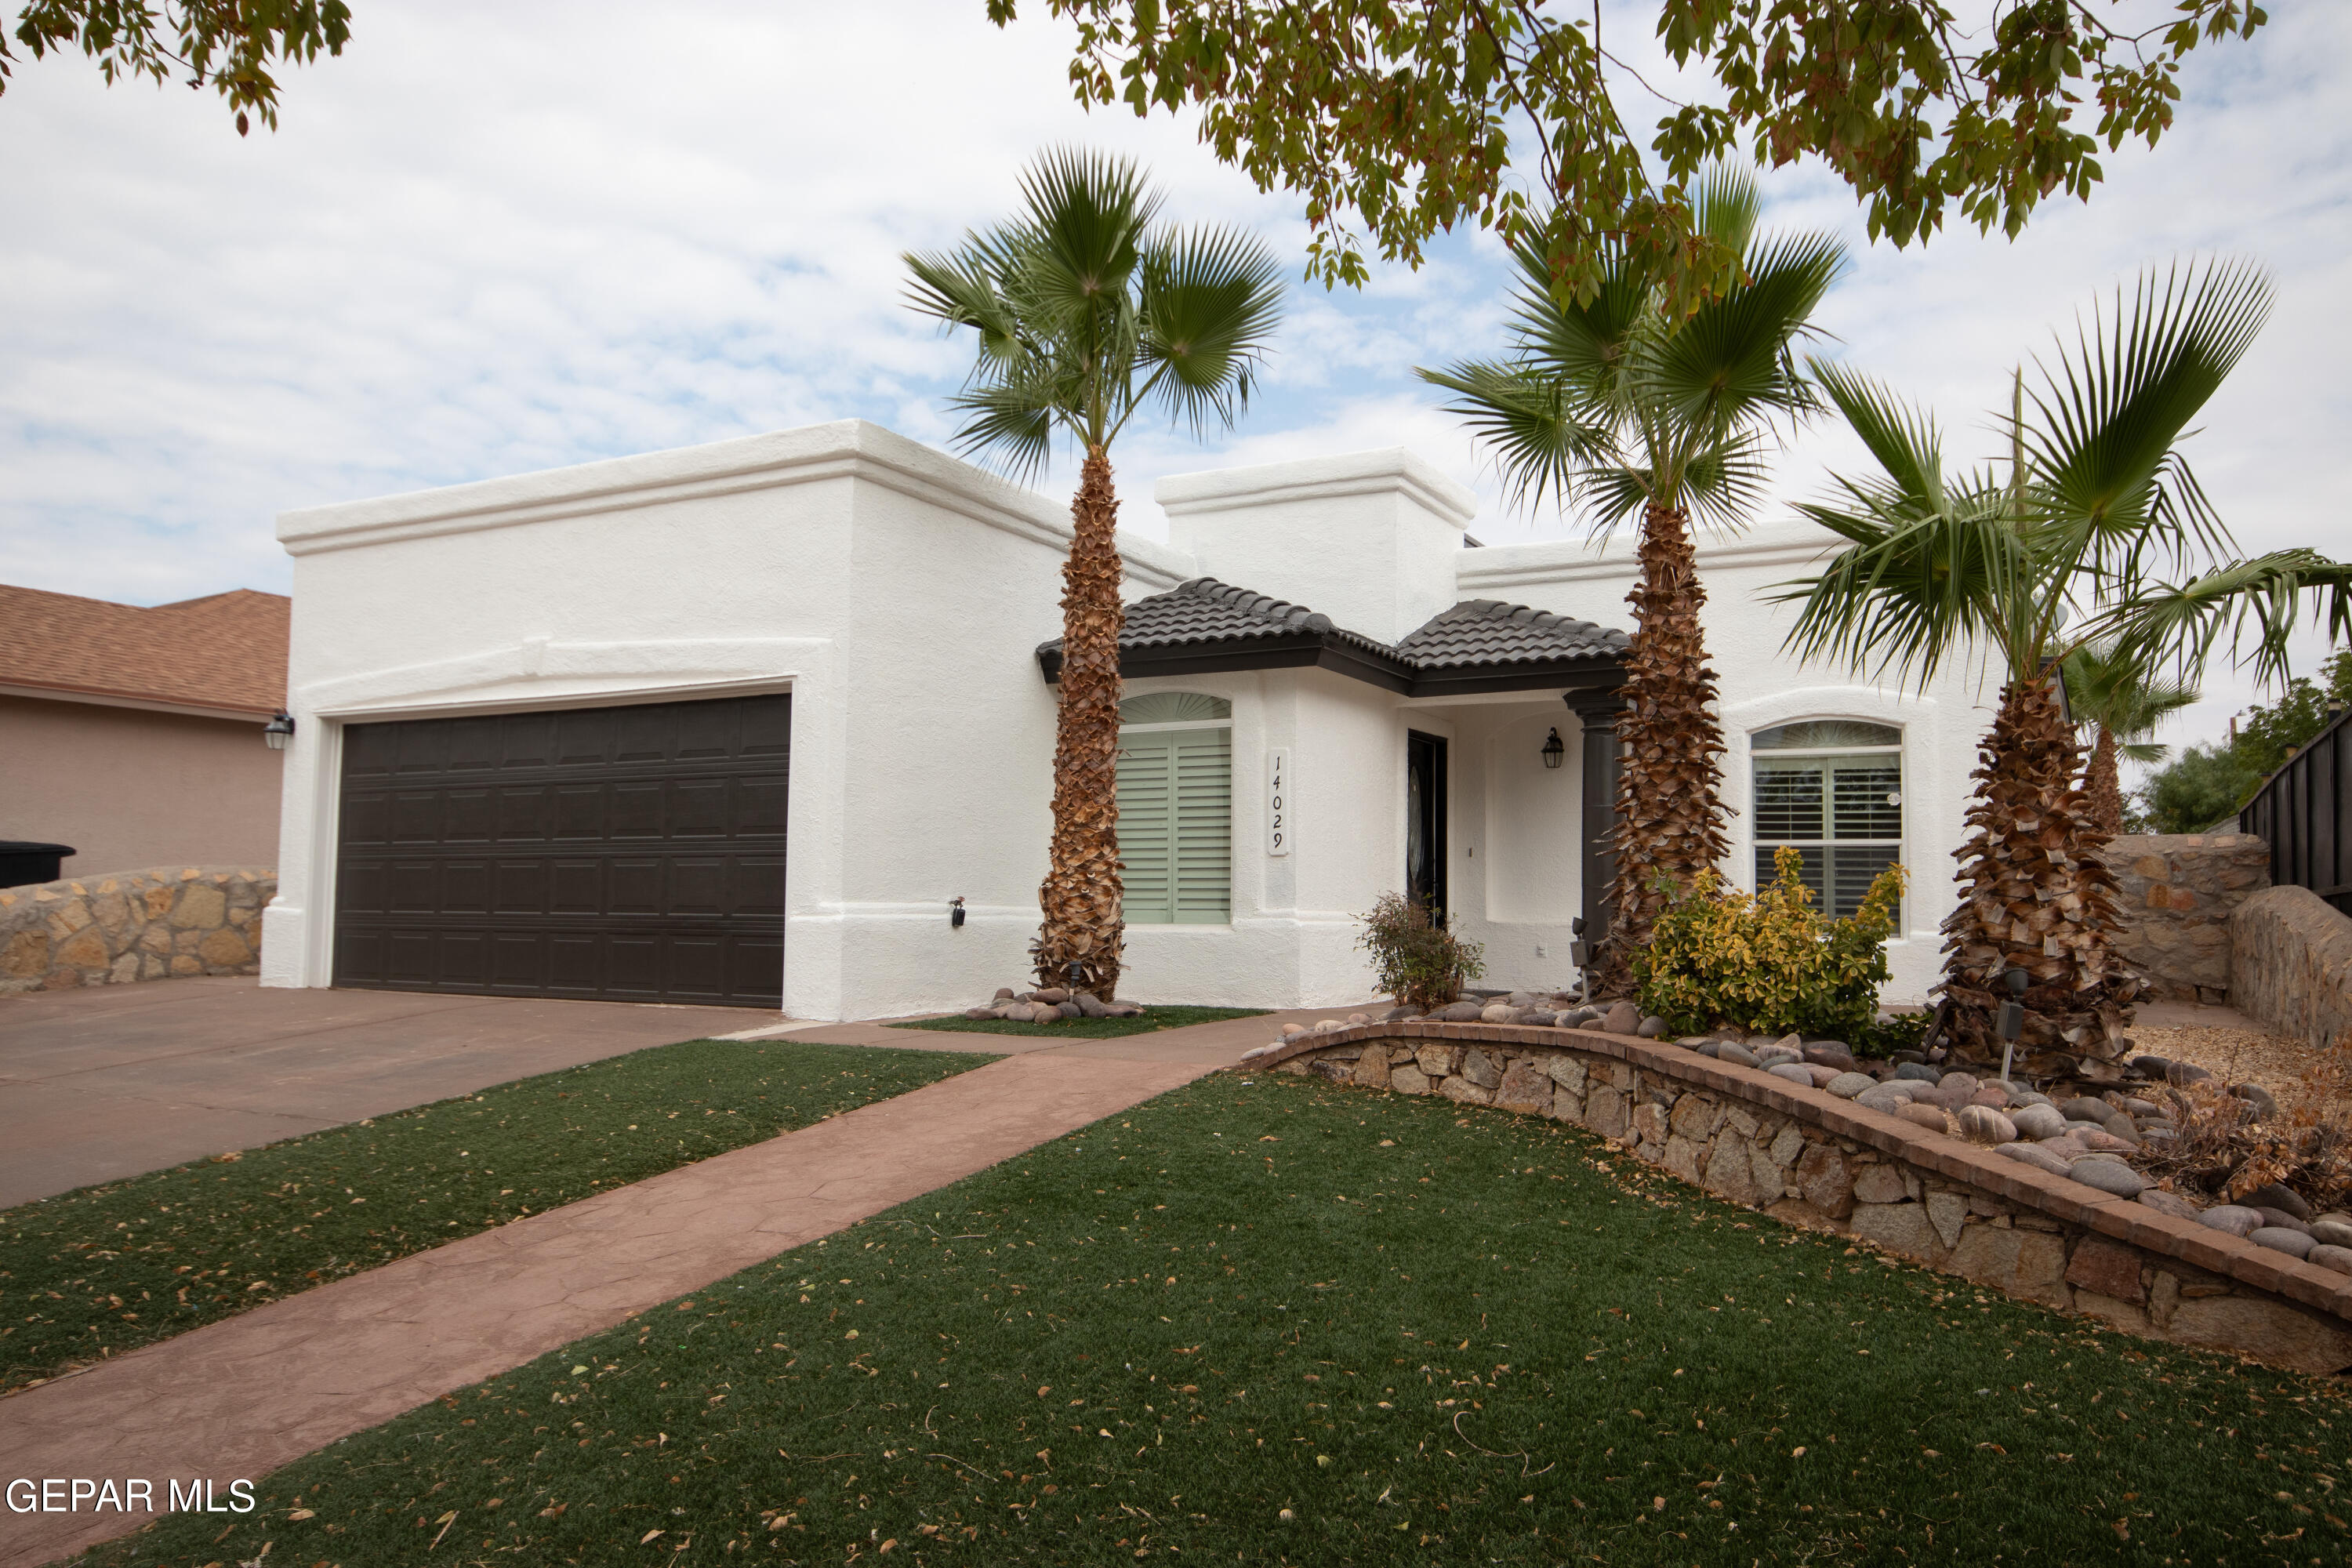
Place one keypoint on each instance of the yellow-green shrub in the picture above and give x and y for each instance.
(1769, 963)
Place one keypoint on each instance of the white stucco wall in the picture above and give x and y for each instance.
(1759, 686)
(899, 595)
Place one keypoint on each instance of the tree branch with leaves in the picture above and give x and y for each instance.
(1400, 119)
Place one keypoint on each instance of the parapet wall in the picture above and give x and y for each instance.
(2291, 965)
(1807, 1157)
(133, 925)
(2175, 894)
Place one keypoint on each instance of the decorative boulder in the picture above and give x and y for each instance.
(2172, 1204)
(2275, 1196)
(1623, 1018)
(2279, 1239)
(1846, 1085)
(1051, 994)
(2339, 1259)
(1983, 1125)
(2035, 1155)
(2232, 1219)
(1650, 1028)
(2108, 1175)
(2038, 1121)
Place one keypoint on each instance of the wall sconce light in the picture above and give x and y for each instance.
(1553, 751)
(955, 912)
(278, 731)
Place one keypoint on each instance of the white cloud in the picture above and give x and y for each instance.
(496, 238)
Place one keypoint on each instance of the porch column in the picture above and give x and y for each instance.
(1597, 712)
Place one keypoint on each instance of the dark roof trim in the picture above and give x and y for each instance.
(1179, 634)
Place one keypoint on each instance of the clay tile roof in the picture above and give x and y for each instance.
(1489, 632)
(1205, 610)
(223, 651)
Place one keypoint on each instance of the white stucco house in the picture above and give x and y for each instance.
(742, 723)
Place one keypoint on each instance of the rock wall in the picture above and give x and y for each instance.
(2291, 965)
(133, 925)
(1806, 1157)
(2175, 893)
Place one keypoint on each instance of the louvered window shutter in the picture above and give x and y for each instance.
(1147, 827)
(1204, 826)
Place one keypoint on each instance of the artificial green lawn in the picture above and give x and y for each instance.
(106, 1267)
(1284, 1321)
(1088, 1028)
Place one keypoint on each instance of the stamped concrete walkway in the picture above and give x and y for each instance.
(239, 1398)
(108, 1082)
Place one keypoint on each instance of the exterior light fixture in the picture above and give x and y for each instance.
(1553, 750)
(278, 731)
(955, 912)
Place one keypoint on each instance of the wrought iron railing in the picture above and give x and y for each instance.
(2303, 812)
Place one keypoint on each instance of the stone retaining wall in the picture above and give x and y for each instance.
(2291, 963)
(2175, 894)
(1808, 1158)
(133, 925)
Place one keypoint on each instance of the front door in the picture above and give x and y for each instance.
(1424, 822)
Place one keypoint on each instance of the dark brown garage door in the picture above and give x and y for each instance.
(626, 854)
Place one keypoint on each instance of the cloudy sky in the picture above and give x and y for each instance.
(498, 238)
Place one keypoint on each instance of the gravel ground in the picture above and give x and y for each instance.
(2244, 1056)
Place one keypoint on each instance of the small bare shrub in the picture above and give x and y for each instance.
(2222, 1152)
(1415, 960)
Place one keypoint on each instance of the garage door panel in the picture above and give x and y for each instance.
(518, 888)
(713, 732)
(578, 812)
(468, 817)
(760, 805)
(413, 888)
(525, 741)
(575, 887)
(634, 809)
(415, 816)
(620, 870)
(699, 809)
(632, 886)
(583, 737)
(756, 886)
(524, 814)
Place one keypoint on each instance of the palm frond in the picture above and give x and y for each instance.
(1905, 440)
(2109, 410)
(1539, 433)
(2180, 626)
(1210, 301)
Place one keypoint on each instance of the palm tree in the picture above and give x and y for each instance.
(1086, 314)
(2122, 703)
(2058, 554)
(1617, 405)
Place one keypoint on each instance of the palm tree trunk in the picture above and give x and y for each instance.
(2034, 895)
(1081, 893)
(1669, 816)
(2102, 790)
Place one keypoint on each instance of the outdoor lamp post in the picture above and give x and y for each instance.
(278, 731)
(1553, 750)
(2012, 1024)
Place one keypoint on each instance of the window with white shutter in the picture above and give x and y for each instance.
(1176, 809)
(1831, 789)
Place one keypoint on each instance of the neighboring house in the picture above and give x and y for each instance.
(738, 722)
(135, 735)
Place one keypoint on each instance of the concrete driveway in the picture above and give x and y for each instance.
(111, 1082)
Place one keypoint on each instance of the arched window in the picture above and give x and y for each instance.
(1831, 789)
(1176, 808)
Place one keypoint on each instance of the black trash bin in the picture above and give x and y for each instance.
(22, 862)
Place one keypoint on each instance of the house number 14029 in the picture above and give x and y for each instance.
(1278, 801)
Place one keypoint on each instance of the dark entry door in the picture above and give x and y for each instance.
(1425, 817)
(628, 854)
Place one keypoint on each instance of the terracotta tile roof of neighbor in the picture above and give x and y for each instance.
(225, 651)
